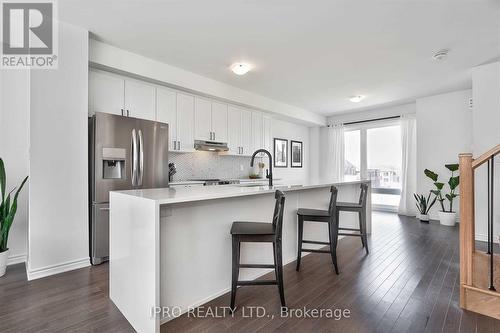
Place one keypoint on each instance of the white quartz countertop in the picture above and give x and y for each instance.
(175, 195)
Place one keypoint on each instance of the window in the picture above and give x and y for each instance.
(373, 150)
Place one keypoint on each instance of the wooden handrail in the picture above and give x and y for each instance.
(486, 156)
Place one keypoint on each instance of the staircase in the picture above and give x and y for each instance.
(479, 271)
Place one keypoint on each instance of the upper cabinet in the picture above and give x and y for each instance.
(166, 112)
(185, 122)
(106, 93)
(139, 100)
(219, 121)
(189, 117)
(202, 119)
(110, 93)
(210, 120)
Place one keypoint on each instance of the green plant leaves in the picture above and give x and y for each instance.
(439, 186)
(8, 209)
(451, 167)
(453, 182)
(432, 175)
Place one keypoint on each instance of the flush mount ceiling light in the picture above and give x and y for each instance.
(357, 98)
(240, 68)
(441, 55)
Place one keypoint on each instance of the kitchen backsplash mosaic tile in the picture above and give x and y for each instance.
(207, 165)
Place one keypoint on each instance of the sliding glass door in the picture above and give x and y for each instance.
(373, 150)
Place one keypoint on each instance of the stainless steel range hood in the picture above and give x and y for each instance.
(210, 146)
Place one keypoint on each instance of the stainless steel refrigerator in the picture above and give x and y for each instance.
(124, 153)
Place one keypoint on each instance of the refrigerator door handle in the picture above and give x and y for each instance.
(134, 158)
(141, 158)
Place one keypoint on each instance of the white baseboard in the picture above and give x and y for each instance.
(56, 269)
(484, 238)
(17, 259)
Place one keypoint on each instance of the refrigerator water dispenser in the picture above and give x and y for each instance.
(113, 163)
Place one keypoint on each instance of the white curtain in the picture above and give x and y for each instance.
(408, 165)
(335, 156)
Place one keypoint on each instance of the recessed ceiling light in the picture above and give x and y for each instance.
(240, 68)
(357, 98)
(441, 54)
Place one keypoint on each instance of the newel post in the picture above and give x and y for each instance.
(467, 246)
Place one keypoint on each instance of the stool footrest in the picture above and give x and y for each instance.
(315, 242)
(349, 234)
(257, 283)
(256, 266)
(350, 229)
(315, 251)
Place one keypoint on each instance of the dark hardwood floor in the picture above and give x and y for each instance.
(408, 283)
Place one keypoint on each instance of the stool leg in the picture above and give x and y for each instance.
(300, 233)
(278, 262)
(235, 271)
(362, 218)
(333, 235)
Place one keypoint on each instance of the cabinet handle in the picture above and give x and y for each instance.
(178, 145)
(128, 114)
(122, 111)
(214, 135)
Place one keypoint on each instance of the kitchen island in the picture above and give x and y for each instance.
(170, 248)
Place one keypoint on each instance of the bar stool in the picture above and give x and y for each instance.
(360, 208)
(259, 232)
(316, 215)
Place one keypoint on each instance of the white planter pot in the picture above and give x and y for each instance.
(447, 219)
(423, 218)
(3, 262)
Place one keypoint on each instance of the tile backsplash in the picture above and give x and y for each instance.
(206, 165)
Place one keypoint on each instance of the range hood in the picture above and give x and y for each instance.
(210, 146)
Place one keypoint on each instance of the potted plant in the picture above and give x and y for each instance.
(8, 210)
(446, 216)
(424, 205)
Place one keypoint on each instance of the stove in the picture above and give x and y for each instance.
(215, 181)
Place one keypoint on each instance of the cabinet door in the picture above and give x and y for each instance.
(257, 133)
(246, 132)
(166, 112)
(106, 93)
(202, 119)
(185, 121)
(267, 129)
(234, 129)
(219, 121)
(140, 100)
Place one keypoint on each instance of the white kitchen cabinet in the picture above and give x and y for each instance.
(166, 112)
(219, 122)
(246, 132)
(106, 93)
(234, 130)
(185, 122)
(202, 119)
(139, 100)
(257, 130)
(267, 132)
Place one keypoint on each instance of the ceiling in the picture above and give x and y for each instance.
(311, 54)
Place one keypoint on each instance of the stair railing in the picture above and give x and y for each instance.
(467, 225)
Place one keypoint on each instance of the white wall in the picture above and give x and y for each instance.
(290, 131)
(121, 60)
(14, 147)
(58, 204)
(380, 112)
(486, 134)
(443, 131)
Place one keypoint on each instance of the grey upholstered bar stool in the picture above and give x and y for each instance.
(360, 208)
(259, 232)
(316, 215)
